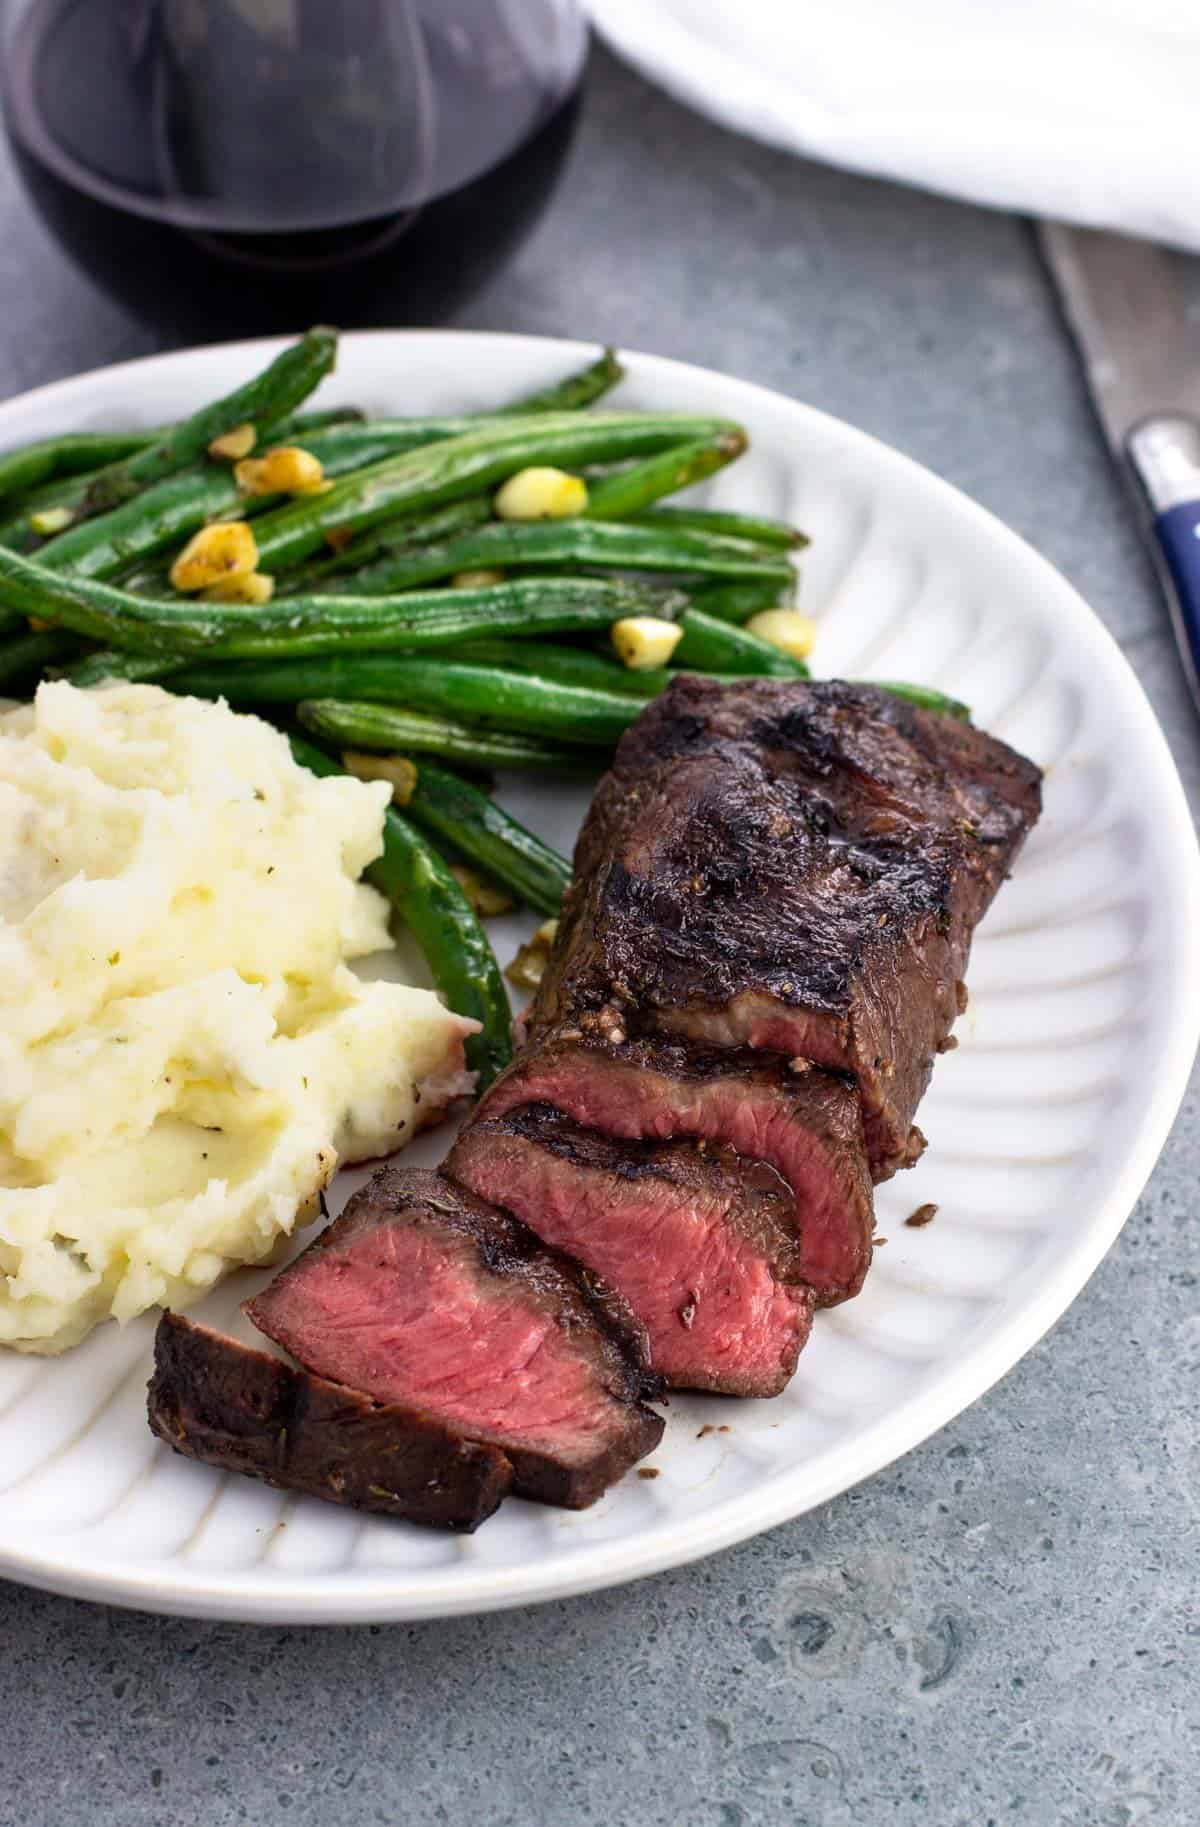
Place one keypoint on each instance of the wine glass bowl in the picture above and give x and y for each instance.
(234, 165)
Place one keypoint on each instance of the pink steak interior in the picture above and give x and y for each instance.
(716, 1315)
(405, 1314)
(809, 1131)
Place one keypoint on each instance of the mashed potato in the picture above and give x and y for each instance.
(184, 1051)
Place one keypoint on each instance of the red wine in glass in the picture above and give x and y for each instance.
(227, 166)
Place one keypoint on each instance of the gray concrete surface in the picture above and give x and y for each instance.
(1002, 1628)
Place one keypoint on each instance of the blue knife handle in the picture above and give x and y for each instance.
(1164, 454)
(1178, 534)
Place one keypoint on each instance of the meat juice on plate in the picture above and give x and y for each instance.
(243, 164)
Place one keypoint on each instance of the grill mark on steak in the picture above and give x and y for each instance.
(422, 1294)
(225, 1404)
(795, 867)
(700, 1243)
(804, 1125)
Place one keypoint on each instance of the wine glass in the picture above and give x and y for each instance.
(230, 165)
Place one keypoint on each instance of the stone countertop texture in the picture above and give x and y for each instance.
(997, 1629)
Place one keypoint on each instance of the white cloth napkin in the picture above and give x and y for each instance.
(1086, 110)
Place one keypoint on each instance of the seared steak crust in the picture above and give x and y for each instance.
(795, 867)
(214, 1399)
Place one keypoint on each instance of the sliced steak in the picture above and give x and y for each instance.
(219, 1401)
(421, 1295)
(700, 1244)
(796, 867)
(805, 1124)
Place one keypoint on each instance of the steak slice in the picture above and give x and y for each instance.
(805, 1124)
(219, 1401)
(421, 1295)
(791, 866)
(699, 1243)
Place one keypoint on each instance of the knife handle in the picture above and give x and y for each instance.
(1178, 534)
(1164, 454)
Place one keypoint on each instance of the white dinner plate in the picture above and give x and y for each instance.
(1043, 1124)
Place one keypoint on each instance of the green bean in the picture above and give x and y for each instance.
(575, 391)
(96, 610)
(339, 438)
(464, 465)
(388, 437)
(31, 653)
(476, 830)
(356, 445)
(568, 395)
(709, 645)
(320, 624)
(351, 445)
(292, 679)
(261, 402)
(574, 666)
(571, 394)
(385, 726)
(487, 698)
(214, 487)
(104, 664)
(574, 716)
(344, 441)
(399, 535)
(628, 491)
(111, 544)
(50, 469)
(153, 577)
(755, 527)
(145, 577)
(171, 509)
(925, 698)
(738, 602)
(15, 529)
(577, 666)
(302, 424)
(535, 545)
(72, 454)
(432, 905)
(550, 660)
(653, 680)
